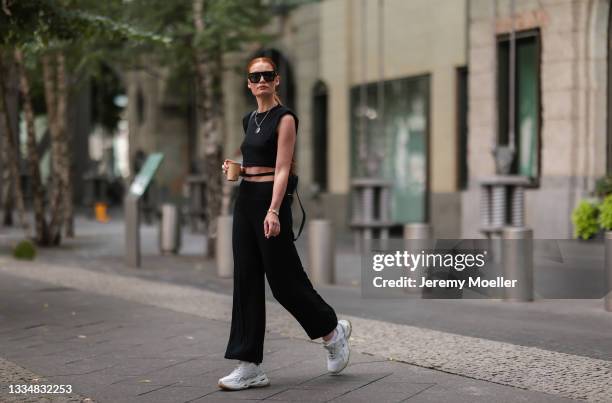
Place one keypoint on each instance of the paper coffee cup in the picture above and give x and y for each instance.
(233, 171)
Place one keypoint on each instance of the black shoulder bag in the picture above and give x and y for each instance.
(292, 183)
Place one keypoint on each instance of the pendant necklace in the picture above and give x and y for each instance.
(262, 120)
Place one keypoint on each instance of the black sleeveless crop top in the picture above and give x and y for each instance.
(259, 149)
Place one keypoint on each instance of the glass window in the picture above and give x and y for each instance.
(526, 102)
(462, 127)
(395, 140)
(319, 118)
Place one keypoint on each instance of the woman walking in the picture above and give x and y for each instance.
(263, 241)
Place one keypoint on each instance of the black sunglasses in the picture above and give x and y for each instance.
(268, 76)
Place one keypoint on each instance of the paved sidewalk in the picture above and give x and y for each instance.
(558, 347)
(114, 350)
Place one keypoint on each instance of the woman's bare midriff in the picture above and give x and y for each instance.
(257, 170)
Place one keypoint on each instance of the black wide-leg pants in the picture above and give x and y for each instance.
(276, 258)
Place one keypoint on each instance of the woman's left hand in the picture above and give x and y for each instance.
(271, 225)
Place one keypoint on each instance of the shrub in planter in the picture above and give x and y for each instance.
(584, 218)
(603, 186)
(605, 214)
(25, 250)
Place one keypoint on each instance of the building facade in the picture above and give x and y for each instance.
(561, 136)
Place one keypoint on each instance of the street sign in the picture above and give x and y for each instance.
(145, 175)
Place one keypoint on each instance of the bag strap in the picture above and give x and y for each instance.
(303, 216)
(249, 122)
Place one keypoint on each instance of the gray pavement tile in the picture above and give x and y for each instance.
(396, 371)
(342, 383)
(189, 373)
(194, 377)
(383, 392)
(174, 393)
(286, 358)
(478, 394)
(125, 395)
(262, 393)
(226, 397)
(105, 376)
(307, 395)
(119, 366)
(293, 372)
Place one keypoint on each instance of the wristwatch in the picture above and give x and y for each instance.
(273, 211)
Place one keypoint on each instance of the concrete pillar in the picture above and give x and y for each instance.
(132, 230)
(321, 251)
(225, 256)
(169, 229)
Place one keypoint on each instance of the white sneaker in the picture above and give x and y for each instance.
(245, 375)
(338, 350)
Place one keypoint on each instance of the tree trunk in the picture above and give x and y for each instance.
(209, 136)
(38, 194)
(66, 155)
(53, 119)
(11, 155)
(6, 197)
(219, 118)
(6, 154)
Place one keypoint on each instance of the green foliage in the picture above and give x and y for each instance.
(44, 24)
(90, 34)
(603, 186)
(605, 213)
(228, 25)
(584, 218)
(284, 6)
(25, 250)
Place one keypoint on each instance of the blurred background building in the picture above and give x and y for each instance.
(435, 77)
(416, 92)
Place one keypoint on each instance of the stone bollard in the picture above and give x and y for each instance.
(608, 271)
(517, 262)
(225, 256)
(169, 229)
(417, 236)
(321, 248)
(417, 231)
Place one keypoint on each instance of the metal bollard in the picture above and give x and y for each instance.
(321, 251)
(225, 257)
(132, 230)
(517, 262)
(608, 270)
(169, 229)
